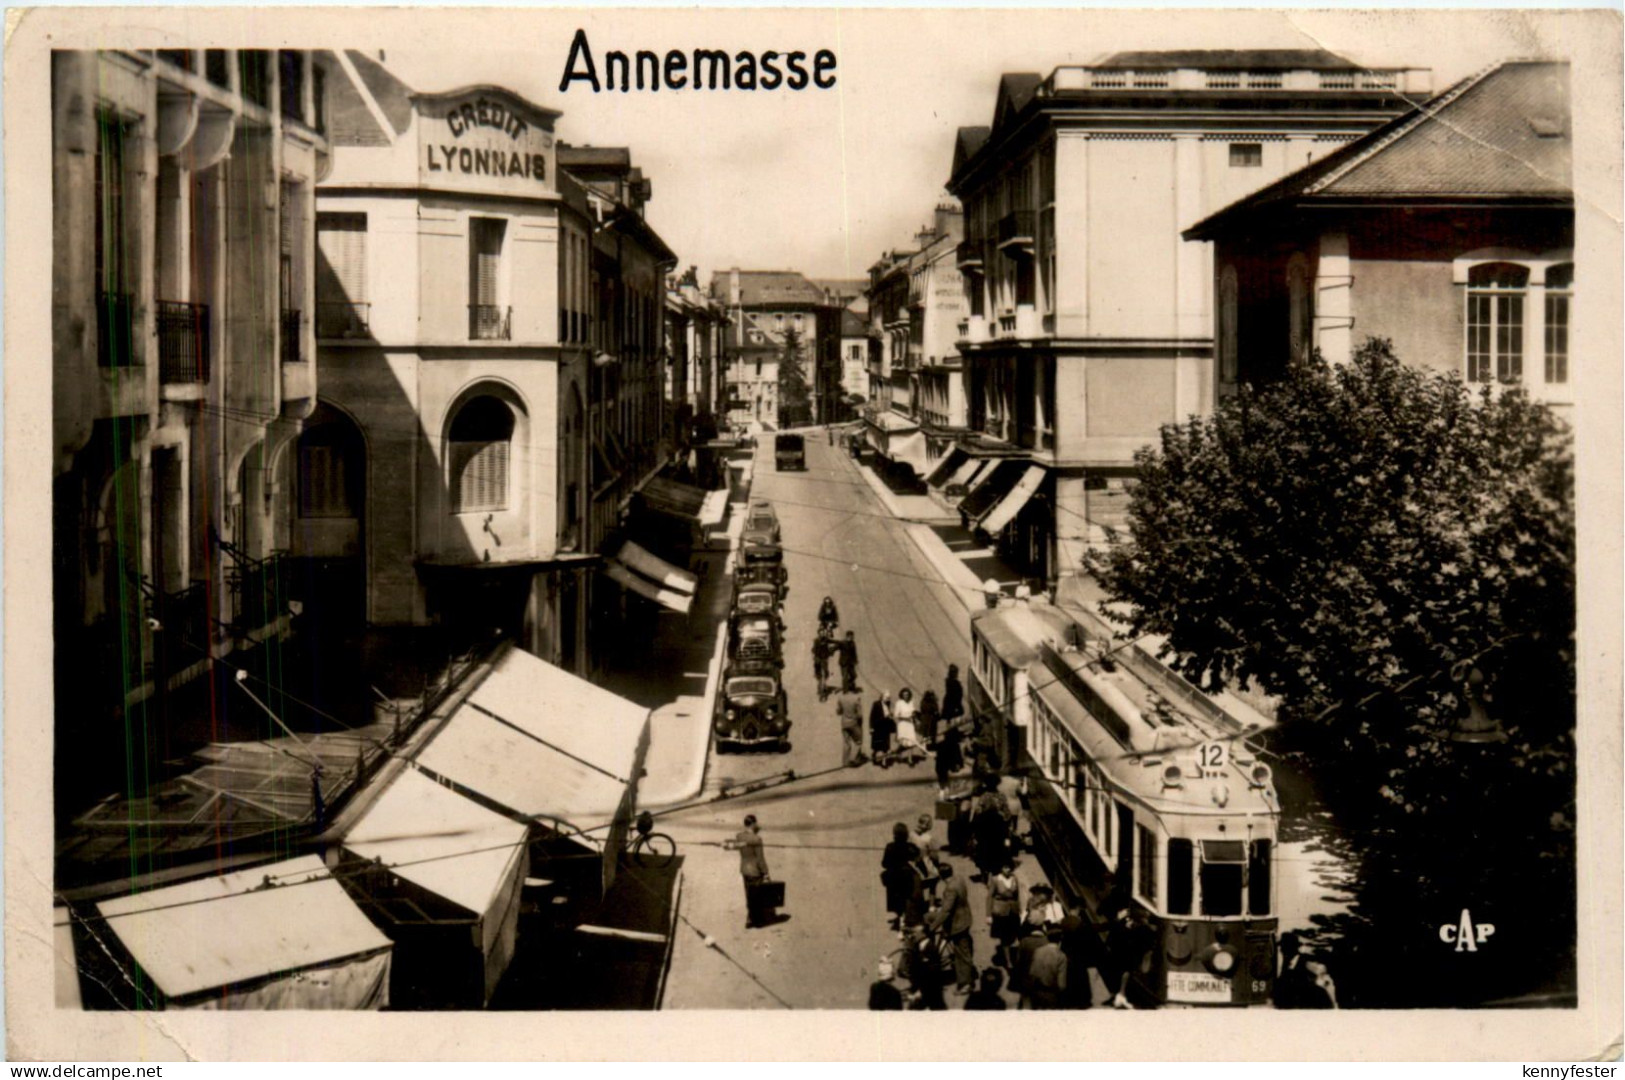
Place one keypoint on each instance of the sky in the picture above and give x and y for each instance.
(825, 181)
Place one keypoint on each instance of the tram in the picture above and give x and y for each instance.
(1142, 791)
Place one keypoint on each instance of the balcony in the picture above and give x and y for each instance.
(489, 322)
(183, 342)
(973, 329)
(115, 329)
(1028, 324)
(1411, 81)
(1016, 232)
(968, 255)
(342, 320)
(259, 593)
(292, 347)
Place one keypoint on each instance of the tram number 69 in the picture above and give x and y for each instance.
(1212, 755)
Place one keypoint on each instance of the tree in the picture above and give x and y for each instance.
(1356, 539)
(795, 405)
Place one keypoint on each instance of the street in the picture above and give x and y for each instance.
(825, 835)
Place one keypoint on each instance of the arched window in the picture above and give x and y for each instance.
(479, 440)
(1228, 291)
(1559, 292)
(1300, 307)
(329, 458)
(1495, 295)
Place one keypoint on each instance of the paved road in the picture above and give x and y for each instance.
(824, 834)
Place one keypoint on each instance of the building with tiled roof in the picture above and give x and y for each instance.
(765, 309)
(1448, 231)
(1090, 321)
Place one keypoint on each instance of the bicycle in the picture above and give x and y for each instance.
(648, 848)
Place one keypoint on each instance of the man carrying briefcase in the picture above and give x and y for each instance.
(762, 894)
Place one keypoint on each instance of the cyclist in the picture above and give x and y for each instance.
(828, 617)
(823, 646)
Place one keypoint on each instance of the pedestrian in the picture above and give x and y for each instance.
(1043, 910)
(822, 646)
(1083, 952)
(880, 730)
(753, 868)
(952, 919)
(925, 973)
(897, 873)
(849, 707)
(884, 996)
(848, 648)
(990, 830)
(1004, 911)
(985, 746)
(829, 616)
(986, 995)
(910, 750)
(953, 696)
(950, 759)
(1047, 973)
(1128, 952)
(1303, 983)
(1033, 938)
(929, 716)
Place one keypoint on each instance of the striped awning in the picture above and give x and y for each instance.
(1008, 507)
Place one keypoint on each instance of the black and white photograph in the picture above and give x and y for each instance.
(727, 510)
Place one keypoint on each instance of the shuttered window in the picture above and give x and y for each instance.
(341, 252)
(485, 259)
(479, 449)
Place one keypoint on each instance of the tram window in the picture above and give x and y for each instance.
(1147, 864)
(1258, 878)
(1222, 864)
(1179, 876)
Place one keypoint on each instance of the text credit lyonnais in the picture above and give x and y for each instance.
(710, 69)
(486, 162)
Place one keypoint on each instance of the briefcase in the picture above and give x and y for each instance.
(947, 810)
(769, 893)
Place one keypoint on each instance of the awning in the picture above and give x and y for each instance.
(992, 486)
(543, 743)
(908, 448)
(685, 500)
(244, 945)
(1008, 507)
(657, 569)
(625, 577)
(948, 467)
(890, 422)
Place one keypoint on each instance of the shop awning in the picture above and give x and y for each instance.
(992, 486)
(1009, 506)
(908, 448)
(440, 841)
(669, 598)
(948, 467)
(890, 422)
(543, 743)
(674, 497)
(657, 569)
(240, 944)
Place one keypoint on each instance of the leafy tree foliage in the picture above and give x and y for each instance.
(795, 401)
(1355, 539)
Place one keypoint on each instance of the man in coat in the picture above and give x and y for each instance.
(847, 650)
(849, 708)
(1047, 973)
(753, 868)
(952, 919)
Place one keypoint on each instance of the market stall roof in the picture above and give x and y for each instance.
(1009, 506)
(522, 739)
(230, 929)
(439, 841)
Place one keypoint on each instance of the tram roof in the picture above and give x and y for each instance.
(1014, 633)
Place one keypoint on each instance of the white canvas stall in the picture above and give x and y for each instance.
(453, 847)
(229, 942)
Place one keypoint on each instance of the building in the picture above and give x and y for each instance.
(854, 356)
(1090, 322)
(1449, 231)
(182, 364)
(765, 310)
(491, 304)
(694, 343)
(936, 306)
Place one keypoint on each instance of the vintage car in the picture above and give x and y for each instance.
(764, 563)
(758, 597)
(752, 709)
(790, 453)
(761, 525)
(755, 636)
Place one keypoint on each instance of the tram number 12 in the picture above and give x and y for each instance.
(1212, 755)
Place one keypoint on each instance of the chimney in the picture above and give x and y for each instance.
(733, 287)
(950, 221)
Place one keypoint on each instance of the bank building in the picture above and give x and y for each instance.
(489, 328)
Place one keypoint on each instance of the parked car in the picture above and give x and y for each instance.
(790, 453)
(761, 525)
(763, 563)
(755, 636)
(756, 597)
(752, 708)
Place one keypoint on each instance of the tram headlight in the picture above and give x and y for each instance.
(1220, 959)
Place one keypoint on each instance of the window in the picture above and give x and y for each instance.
(1147, 851)
(341, 275)
(1300, 307)
(1495, 294)
(1258, 877)
(480, 436)
(325, 484)
(1180, 856)
(487, 318)
(1222, 864)
(1226, 340)
(254, 75)
(291, 68)
(1246, 155)
(115, 337)
(1559, 292)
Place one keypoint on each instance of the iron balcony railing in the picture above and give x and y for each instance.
(292, 348)
(183, 342)
(489, 322)
(1016, 229)
(343, 319)
(115, 329)
(259, 592)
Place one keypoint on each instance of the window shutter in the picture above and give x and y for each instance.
(342, 243)
(486, 238)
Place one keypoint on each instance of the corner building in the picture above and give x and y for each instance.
(1090, 323)
(490, 329)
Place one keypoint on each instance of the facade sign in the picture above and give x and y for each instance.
(485, 141)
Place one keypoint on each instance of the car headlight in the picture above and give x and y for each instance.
(769, 711)
(730, 714)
